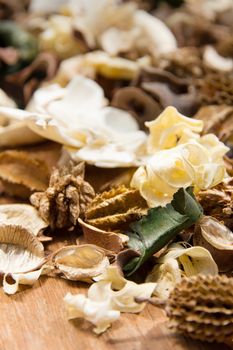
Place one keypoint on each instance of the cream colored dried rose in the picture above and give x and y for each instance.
(107, 298)
(171, 128)
(177, 262)
(189, 164)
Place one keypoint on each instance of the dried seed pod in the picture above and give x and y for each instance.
(215, 88)
(115, 209)
(80, 263)
(21, 174)
(201, 307)
(66, 198)
(217, 239)
(222, 194)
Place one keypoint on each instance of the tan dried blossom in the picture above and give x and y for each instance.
(218, 202)
(115, 209)
(66, 197)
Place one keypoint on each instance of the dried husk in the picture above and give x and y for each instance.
(21, 257)
(217, 239)
(218, 202)
(21, 174)
(111, 241)
(115, 209)
(201, 307)
(80, 263)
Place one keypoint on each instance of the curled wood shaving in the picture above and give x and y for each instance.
(66, 198)
(21, 174)
(115, 209)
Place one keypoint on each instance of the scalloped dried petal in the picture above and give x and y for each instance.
(81, 263)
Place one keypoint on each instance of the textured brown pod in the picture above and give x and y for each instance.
(201, 307)
(115, 209)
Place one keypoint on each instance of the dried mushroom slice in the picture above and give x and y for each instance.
(115, 209)
(21, 257)
(81, 263)
(21, 174)
(24, 215)
(112, 241)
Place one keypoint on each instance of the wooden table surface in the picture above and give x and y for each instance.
(35, 319)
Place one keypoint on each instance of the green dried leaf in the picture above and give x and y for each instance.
(160, 226)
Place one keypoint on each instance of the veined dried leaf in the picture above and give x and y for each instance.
(217, 239)
(21, 257)
(108, 297)
(23, 215)
(115, 209)
(81, 263)
(22, 174)
(111, 241)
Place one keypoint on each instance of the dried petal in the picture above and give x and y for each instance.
(22, 174)
(81, 263)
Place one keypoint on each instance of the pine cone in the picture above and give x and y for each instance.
(201, 307)
(66, 198)
(115, 209)
(218, 202)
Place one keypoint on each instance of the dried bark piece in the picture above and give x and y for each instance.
(66, 197)
(201, 307)
(80, 263)
(217, 120)
(218, 202)
(217, 239)
(115, 209)
(215, 89)
(21, 174)
(112, 241)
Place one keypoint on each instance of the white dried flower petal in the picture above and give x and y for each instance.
(81, 263)
(106, 298)
(214, 61)
(6, 101)
(177, 262)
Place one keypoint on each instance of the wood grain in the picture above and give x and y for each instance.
(35, 319)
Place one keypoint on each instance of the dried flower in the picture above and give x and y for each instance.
(66, 198)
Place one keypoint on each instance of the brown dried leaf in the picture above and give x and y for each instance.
(115, 209)
(217, 120)
(21, 174)
(218, 202)
(66, 198)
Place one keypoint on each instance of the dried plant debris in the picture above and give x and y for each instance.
(81, 262)
(115, 209)
(112, 241)
(21, 257)
(218, 239)
(66, 198)
(218, 119)
(218, 202)
(23, 215)
(215, 88)
(201, 307)
(106, 299)
(179, 261)
(22, 174)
